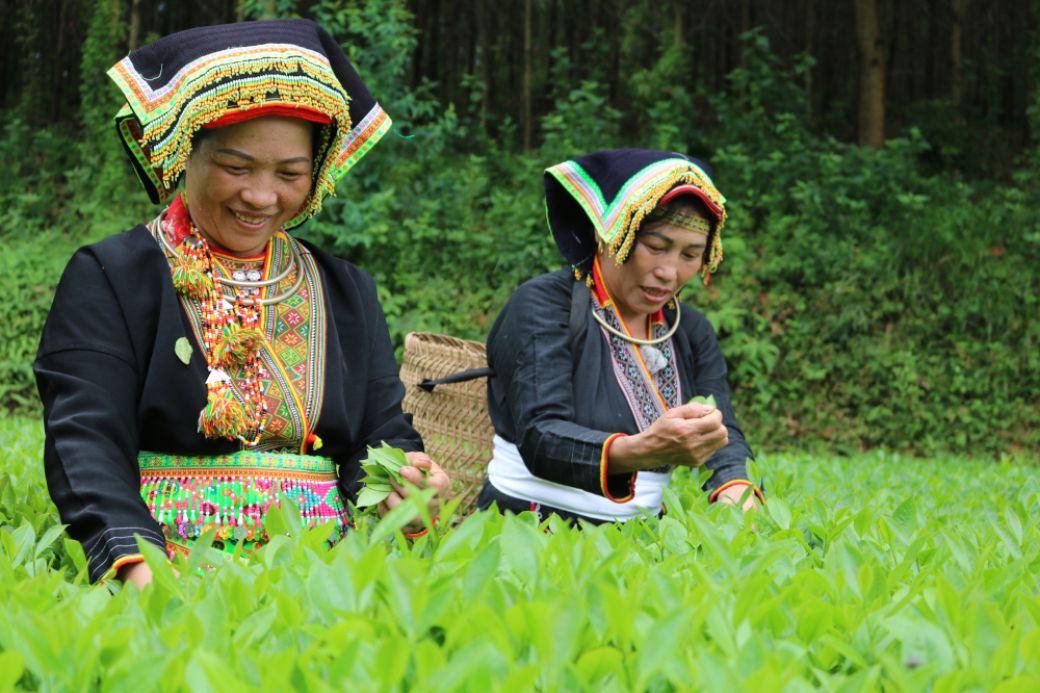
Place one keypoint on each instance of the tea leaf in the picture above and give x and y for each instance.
(708, 400)
(182, 347)
(11, 667)
(370, 496)
(868, 571)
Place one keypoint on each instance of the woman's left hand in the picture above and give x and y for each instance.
(733, 494)
(434, 477)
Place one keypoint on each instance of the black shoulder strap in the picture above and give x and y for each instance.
(580, 297)
(460, 377)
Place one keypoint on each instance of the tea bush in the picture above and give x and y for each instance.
(29, 267)
(867, 572)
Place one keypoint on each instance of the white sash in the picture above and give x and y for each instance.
(510, 475)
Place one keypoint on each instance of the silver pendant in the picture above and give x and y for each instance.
(653, 358)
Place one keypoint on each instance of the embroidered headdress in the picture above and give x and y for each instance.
(607, 195)
(219, 75)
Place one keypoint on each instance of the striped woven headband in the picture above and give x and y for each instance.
(683, 219)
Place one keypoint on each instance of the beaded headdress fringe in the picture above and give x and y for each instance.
(617, 223)
(164, 111)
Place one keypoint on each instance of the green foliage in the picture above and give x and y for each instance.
(867, 303)
(26, 36)
(419, 208)
(665, 123)
(101, 50)
(582, 119)
(932, 585)
(35, 195)
(101, 173)
(868, 298)
(29, 268)
(763, 95)
(383, 469)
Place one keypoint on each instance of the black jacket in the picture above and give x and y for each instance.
(555, 396)
(112, 386)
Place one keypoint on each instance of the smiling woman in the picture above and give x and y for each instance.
(200, 368)
(246, 180)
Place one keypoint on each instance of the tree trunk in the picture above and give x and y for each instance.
(527, 76)
(135, 24)
(483, 58)
(745, 26)
(871, 75)
(810, 29)
(56, 64)
(677, 22)
(956, 61)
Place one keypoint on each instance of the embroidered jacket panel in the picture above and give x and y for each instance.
(555, 395)
(112, 385)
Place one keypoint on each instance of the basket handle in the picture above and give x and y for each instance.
(460, 377)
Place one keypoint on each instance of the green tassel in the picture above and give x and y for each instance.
(236, 345)
(223, 416)
(190, 281)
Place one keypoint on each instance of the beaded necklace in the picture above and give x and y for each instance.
(230, 333)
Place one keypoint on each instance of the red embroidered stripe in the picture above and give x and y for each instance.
(603, 473)
(122, 561)
(736, 482)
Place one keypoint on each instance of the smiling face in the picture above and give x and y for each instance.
(244, 181)
(663, 258)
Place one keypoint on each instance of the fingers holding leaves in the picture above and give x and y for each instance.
(390, 475)
(423, 472)
(382, 472)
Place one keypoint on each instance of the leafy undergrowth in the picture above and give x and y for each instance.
(867, 572)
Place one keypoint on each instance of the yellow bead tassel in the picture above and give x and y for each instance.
(314, 441)
(223, 416)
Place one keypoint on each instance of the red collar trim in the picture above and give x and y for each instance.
(599, 288)
(176, 223)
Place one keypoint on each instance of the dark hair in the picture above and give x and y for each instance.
(200, 135)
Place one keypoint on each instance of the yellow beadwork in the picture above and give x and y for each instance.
(242, 78)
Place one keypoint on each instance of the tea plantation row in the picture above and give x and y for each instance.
(862, 573)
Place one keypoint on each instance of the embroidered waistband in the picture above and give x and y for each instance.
(232, 493)
(243, 462)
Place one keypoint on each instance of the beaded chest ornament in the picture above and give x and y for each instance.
(230, 333)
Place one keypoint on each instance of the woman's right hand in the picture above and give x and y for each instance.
(139, 574)
(684, 436)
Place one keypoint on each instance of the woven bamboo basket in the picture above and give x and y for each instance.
(453, 419)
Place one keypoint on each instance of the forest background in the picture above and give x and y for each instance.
(881, 160)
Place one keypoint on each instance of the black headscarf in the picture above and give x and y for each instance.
(192, 78)
(606, 196)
